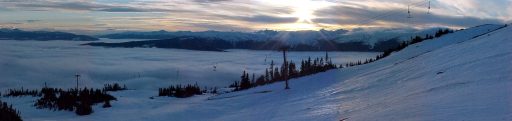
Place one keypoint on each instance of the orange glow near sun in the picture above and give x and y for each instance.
(304, 11)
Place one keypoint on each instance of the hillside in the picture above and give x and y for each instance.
(17, 34)
(465, 75)
(455, 77)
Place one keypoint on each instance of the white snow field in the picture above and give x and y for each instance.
(455, 77)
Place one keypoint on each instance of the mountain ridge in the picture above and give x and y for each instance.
(17, 34)
(369, 36)
(219, 44)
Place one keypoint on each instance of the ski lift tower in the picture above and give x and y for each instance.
(77, 78)
(428, 11)
(285, 64)
(409, 12)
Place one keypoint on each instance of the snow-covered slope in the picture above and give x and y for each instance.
(451, 78)
(455, 77)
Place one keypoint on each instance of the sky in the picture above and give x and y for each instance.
(96, 16)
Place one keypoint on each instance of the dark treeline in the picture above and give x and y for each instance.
(22, 92)
(350, 64)
(321, 45)
(78, 100)
(37, 93)
(276, 74)
(8, 113)
(414, 40)
(114, 87)
(216, 44)
(180, 91)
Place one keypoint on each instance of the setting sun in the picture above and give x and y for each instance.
(304, 11)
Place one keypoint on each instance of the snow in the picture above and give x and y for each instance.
(455, 77)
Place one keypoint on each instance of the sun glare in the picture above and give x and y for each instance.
(304, 11)
(298, 26)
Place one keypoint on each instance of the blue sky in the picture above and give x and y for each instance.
(247, 15)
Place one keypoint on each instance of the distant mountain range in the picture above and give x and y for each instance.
(218, 44)
(377, 40)
(17, 34)
(368, 39)
(369, 36)
(292, 37)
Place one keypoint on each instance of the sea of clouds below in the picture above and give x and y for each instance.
(30, 64)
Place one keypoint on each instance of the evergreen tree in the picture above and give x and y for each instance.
(83, 109)
(244, 82)
(8, 113)
(272, 73)
(277, 75)
(292, 70)
(260, 81)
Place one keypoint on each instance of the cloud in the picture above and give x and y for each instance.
(461, 21)
(208, 1)
(32, 21)
(123, 9)
(221, 27)
(46, 5)
(76, 6)
(364, 15)
(9, 24)
(257, 14)
(4, 9)
(196, 14)
(31, 64)
(476, 8)
(265, 19)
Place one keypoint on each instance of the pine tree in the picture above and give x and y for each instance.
(272, 73)
(326, 55)
(8, 113)
(244, 81)
(292, 70)
(260, 81)
(83, 109)
(277, 75)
